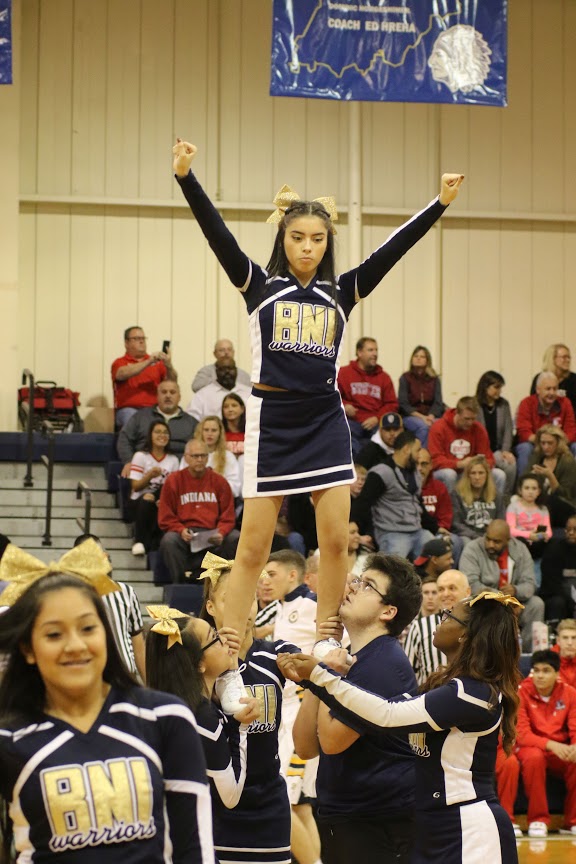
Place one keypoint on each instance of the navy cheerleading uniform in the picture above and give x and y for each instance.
(453, 730)
(131, 790)
(257, 830)
(296, 338)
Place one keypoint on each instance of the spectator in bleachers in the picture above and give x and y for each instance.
(357, 486)
(455, 439)
(381, 446)
(149, 469)
(498, 562)
(430, 598)
(552, 461)
(234, 422)
(544, 408)
(546, 740)
(435, 558)
(196, 504)
(211, 431)
(557, 359)
(357, 555)
(223, 350)
(558, 588)
(495, 415)
(420, 394)
(208, 400)
(136, 375)
(367, 392)
(133, 435)
(437, 503)
(475, 501)
(566, 647)
(529, 519)
(390, 501)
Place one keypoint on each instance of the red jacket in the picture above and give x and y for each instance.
(437, 501)
(531, 417)
(540, 722)
(371, 393)
(567, 668)
(140, 390)
(448, 445)
(188, 502)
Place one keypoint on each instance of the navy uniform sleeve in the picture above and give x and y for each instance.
(225, 744)
(185, 785)
(443, 708)
(362, 280)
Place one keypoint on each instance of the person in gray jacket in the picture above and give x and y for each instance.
(496, 416)
(390, 501)
(134, 434)
(499, 562)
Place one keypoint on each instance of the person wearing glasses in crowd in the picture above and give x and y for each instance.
(365, 783)
(557, 359)
(137, 374)
(185, 656)
(453, 728)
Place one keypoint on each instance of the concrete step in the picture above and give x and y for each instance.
(62, 471)
(33, 544)
(148, 594)
(104, 528)
(126, 573)
(122, 560)
(38, 511)
(60, 497)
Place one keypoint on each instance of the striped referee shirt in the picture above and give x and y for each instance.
(423, 656)
(124, 614)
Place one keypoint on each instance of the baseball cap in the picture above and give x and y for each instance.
(391, 421)
(434, 548)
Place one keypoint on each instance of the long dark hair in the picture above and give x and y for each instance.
(487, 380)
(176, 670)
(242, 419)
(148, 445)
(278, 264)
(22, 690)
(489, 653)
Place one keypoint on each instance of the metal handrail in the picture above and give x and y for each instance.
(27, 374)
(84, 489)
(48, 461)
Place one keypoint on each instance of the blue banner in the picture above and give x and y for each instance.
(5, 42)
(450, 51)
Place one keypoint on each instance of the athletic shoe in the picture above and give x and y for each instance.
(517, 830)
(573, 829)
(230, 689)
(138, 549)
(537, 829)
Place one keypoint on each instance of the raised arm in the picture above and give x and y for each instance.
(237, 265)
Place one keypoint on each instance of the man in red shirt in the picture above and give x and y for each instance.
(437, 502)
(566, 647)
(197, 512)
(543, 407)
(367, 392)
(455, 439)
(546, 738)
(136, 376)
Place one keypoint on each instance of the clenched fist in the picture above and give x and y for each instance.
(184, 153)
(450, 185)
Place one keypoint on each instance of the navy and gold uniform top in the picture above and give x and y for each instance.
(132, 789)
(296, 333)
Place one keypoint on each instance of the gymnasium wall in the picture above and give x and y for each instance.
(106, 241)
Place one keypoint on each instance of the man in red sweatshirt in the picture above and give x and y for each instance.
(367, 392)
(546, 740)
(566, 647)
(197, 512)
(455, 439)
(541, 409)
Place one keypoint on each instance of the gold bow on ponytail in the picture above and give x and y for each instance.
(214, 566)
(505, 599)
(287, 196)
(167, 625)
(87, 561)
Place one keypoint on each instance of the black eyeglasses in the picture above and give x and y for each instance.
(213, 641)
(360, 584)
(446, 613)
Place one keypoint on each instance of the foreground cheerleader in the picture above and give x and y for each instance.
(453, 729)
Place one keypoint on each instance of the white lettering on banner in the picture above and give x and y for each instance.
(430, 502)
(196, 497)
(362, 388)
(460, 448)
(343, 24)
(342, 7)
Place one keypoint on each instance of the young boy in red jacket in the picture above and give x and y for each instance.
(546, 740)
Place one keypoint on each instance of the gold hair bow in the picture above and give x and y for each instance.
(505, 599)
(87, 561)
(167, 625)
(286, 196)
(214, 566)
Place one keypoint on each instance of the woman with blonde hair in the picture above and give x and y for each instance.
(552, 460)
(420, 394)
(557, 359)
(211, 431)
(475, 501)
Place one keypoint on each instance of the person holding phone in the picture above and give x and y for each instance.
(137, 374)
